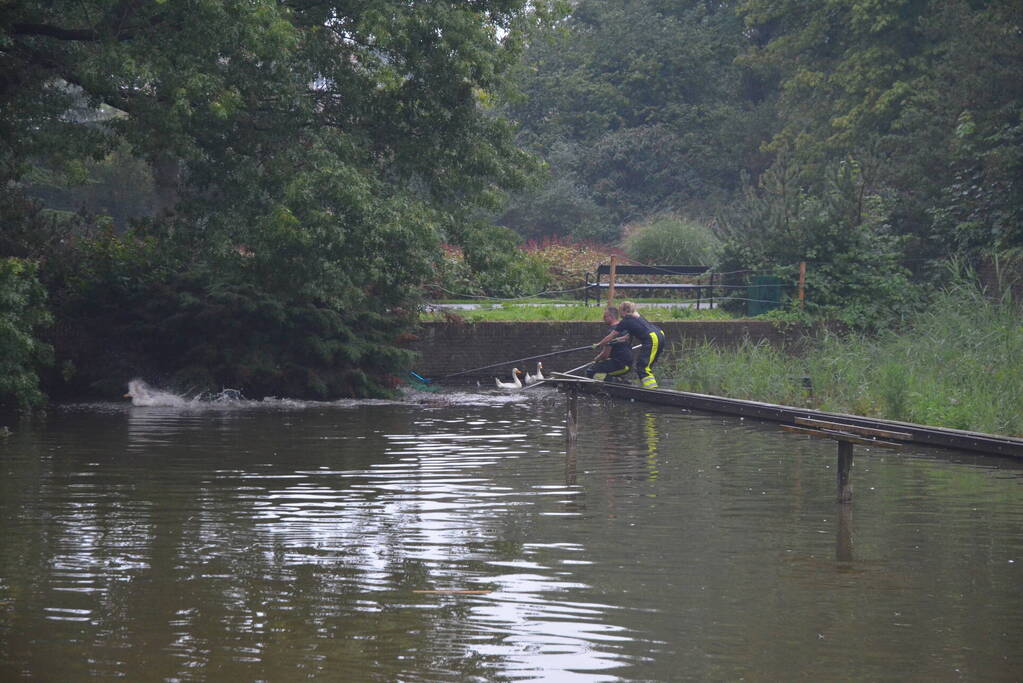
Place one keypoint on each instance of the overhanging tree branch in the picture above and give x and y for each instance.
(69, 34)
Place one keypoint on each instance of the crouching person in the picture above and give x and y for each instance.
(615, 357)
(642, 332)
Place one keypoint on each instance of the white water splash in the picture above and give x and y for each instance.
(141, 394)
(144, 395)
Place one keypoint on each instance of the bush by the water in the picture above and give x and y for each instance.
(955, 365)
(23, 313)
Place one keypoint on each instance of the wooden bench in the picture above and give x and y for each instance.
(596, 285)
(847, 435)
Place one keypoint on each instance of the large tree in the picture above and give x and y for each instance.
(308, 156)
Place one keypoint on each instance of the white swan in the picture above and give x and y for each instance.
(514, 384)
(538, 377)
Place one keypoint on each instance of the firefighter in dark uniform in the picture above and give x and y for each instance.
(615, 359)
(642, 332)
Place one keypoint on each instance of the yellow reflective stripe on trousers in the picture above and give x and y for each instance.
(649, 381)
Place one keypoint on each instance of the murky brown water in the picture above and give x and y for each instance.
(242, 541)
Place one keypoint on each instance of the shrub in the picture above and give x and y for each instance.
(672, 239)
(23, 313)
(129, 308)
(502, 269)
(452, 277)
(845, 236)
(567, 262)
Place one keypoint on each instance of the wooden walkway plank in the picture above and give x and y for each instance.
(990, 444)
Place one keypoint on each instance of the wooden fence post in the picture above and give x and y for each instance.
(611, 281)
(802, 284)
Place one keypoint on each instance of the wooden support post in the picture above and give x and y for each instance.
(845, 459)
(572, 418)
(844, 536)
(846, 435)
(611, 281)
(802, 284)
(570, 464)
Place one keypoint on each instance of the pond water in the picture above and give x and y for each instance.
(456, 537)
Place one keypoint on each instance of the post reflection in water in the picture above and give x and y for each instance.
(844, 537)
(464, 536)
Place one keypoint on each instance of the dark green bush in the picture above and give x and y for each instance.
(23, 313)
(127, 311)
(846, 238)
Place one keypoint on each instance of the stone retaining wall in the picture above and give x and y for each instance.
(446, 347)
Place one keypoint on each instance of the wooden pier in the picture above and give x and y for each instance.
(854, 425)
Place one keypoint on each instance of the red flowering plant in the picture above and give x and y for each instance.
(568, 262)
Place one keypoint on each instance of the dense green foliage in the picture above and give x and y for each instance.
(870, 139)
(955, 365)
(924, 94)
(638, 107)
(304, 161)
(22, 314)
(854, 272)
(255, 194)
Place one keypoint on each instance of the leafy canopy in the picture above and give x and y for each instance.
(307, 157)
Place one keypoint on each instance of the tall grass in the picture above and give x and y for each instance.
(959, 364)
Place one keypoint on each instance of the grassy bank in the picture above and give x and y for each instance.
(956, 365)
(524, 312)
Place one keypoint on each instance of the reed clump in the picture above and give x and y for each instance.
(957, 364)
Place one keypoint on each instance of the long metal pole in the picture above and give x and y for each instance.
(569, 372)
(496, 365)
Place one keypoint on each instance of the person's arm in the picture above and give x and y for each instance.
(611, 335)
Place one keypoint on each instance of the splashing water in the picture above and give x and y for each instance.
(144, 395)
(141, 394)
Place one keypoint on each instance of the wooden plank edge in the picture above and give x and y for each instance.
(867, 431)
(840, 436)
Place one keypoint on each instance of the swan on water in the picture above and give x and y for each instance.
(514, 384)
(538, 377)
